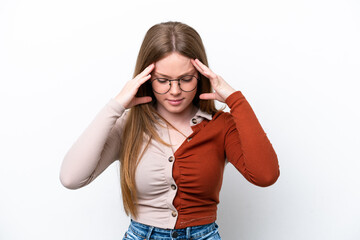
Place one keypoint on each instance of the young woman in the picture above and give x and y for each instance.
(171, 141)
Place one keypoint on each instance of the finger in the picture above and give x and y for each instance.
(142, 100)
(204, 69)
(198, 67)
(207, 71)
(146, 71)
(207, 96)
(142, 80)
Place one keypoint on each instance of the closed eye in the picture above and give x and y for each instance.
(162, 80)
(187, 78)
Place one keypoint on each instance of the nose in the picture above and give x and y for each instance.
(175, 88)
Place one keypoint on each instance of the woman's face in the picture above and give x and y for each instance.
(175, 101)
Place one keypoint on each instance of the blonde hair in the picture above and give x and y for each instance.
(159, 41)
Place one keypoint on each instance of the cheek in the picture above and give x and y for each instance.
(157, 97)
(193, 94)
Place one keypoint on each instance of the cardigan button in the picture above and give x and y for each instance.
(189, 139)
(174, 214)
(171, 158)
(194, 121)
(173, 186)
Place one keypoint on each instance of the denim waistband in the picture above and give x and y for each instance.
(196, 232)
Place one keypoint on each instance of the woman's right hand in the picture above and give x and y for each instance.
(126, 96)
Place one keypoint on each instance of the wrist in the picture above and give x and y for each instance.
(120, 101)
(229, 92)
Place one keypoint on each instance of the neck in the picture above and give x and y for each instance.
(180, 118)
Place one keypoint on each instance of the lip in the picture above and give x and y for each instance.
(175, 102)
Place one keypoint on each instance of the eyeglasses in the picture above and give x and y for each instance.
(186, 83)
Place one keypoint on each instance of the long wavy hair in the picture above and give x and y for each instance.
(160, 40)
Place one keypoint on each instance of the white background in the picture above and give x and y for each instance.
(297, 63)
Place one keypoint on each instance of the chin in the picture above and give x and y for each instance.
(175, 109)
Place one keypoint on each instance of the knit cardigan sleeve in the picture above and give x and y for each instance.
(95, 149)
(247, 145)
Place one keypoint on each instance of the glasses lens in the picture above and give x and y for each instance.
(188, 83)
(160, 85)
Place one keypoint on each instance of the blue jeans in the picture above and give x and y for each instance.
(139, 231)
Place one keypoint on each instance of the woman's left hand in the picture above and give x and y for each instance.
(222, 88)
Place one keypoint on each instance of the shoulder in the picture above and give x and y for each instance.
(222, 117)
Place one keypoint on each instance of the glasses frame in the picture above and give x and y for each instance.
(178, 80)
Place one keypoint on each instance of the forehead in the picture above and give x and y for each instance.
(173, 65)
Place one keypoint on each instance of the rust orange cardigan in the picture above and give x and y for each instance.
(198, 170)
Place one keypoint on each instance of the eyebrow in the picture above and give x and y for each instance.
(164, 75)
